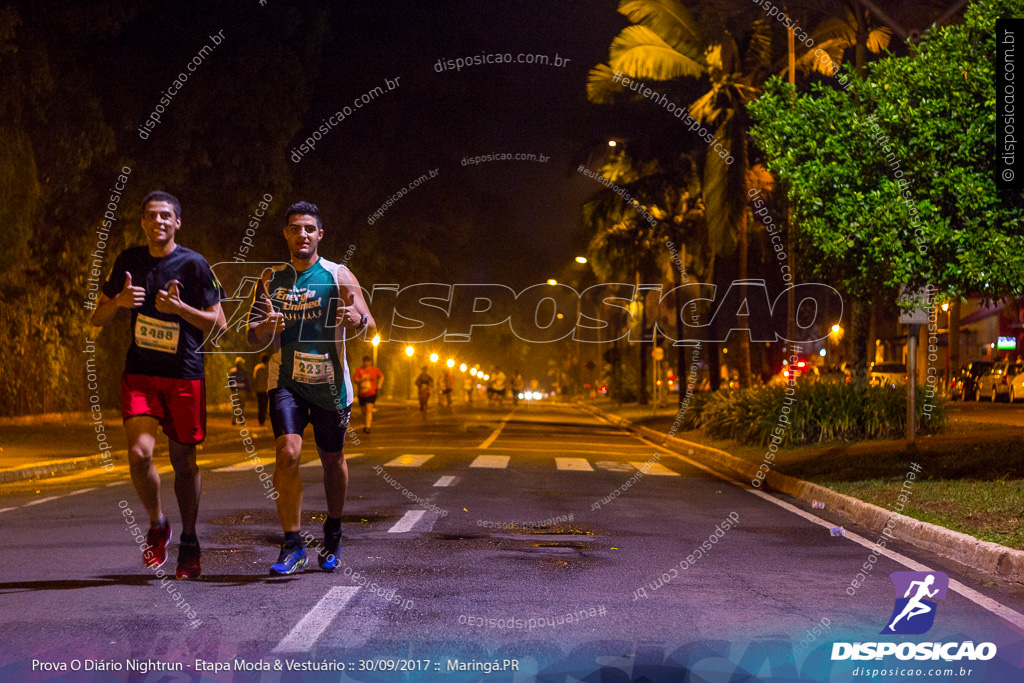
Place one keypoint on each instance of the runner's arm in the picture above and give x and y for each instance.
(129, 297)
(353, 304)
(105, 311)
(264, 322)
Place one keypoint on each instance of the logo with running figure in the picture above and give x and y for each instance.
(916, 595)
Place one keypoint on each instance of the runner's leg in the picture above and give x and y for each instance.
(142, 432)
(288, 482)
(335, 480)
(188, 483)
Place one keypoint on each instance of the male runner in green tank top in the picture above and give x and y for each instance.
(303, 310)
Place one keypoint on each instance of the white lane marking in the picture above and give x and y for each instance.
(497, 430)
(983, 601)
(315, 621)
(117, 483)
(239, 467)
(606, 447)
(75, 493)
(7, 509)
(491, 462)
(41, 500)
(245, 466)
(573, 464)
(407, 522)
(408, 460)
(445, 481)
(654, 469)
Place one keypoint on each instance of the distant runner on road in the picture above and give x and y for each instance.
(303, 311)
(369, 379)
(174, 299)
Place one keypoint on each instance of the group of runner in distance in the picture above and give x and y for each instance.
(302, 311)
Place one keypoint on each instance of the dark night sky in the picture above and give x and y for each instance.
(520, 215)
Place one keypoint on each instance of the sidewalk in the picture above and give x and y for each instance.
(985, 556)
(42, 446)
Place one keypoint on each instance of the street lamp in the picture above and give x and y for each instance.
(433, 358)
(552, 282)
(581, 259)
(451, 363)
(376, 342)
(462, 368)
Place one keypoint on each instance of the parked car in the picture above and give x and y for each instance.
(800, 370)
(995, 384)
(963, 384)
(1017, 383)
(888, 374)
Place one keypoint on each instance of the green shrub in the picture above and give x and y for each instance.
(811, 413)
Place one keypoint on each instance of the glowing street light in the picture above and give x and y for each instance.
(376, 342)
(581, 259)
(552, 281)
(472, 371)
(462, 368)
(451, 363)
(409, 351)
(433, 358)
(611, 143)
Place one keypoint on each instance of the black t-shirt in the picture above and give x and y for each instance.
(165, 345)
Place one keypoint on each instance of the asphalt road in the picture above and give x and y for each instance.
(985, 411)
(540, 535)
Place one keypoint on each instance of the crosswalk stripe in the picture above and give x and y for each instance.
(305, 633)
(573, 464)
(445, 481)
(408, 460)
(407, 522)
(493, 462)
(654, 469)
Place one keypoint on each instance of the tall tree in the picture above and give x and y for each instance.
(892, 182)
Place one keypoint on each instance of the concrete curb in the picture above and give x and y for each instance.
(967, 550)
(44, 470)
(53, 468)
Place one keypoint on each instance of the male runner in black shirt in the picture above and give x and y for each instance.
(174, 300)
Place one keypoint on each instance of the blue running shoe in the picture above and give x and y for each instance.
(289, 561)
(327, 558)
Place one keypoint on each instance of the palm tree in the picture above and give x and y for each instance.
(623, 244)
(667, 43)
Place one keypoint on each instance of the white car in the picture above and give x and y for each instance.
(996, 384)
(1017, 382)
(888, 374)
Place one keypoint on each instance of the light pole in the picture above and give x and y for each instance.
(408, 385)
(376, 342)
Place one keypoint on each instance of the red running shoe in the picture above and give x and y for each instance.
(157, 539)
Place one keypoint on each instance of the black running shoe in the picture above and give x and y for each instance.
(327, 558)
(188, 559)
